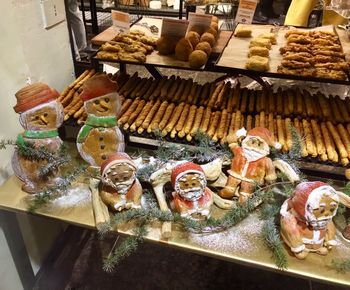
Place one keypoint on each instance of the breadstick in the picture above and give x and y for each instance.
(63, 94)
(174, 118)
(78, 113)
(226, 130)
(279, 106)
(257, 121)
(321, 149)
(173, 133)
(221, 96)
(205, 121)
(197, 94)
(166, 87)
(347, 103)
(186, 129)
(344, 137)
(348, 128)
(229, 106)
(259, 96)
(244, 98)
(196, 123)
(83, 80)
(336, 113)
(212, 88)
(75, 108)
(149, 116)
(342, 109)
(134, 114)
(214, 123)
(68, 98)
(221, 128)
(328, 141)
(187, 90)
(270, 126)
(79, 78)
(73, 102)
(205, 93)
(82, 118)
(309, 139)
(337, 140)
(144, 89)
(280, 133)
(251, 101)
(324, 105)
(215, 95)
(182, 118)
(151, 89)
(242, 122)
(235, 98)
(125, 117)
(309, 104)
(237, 123)
(344, 161)
(169, 110)
(289, 141)
(126, 104)
(264, 101)
(262, 119)
(290, 97)
(231, 131)
(249, 124)
(143, 114)
(137, 88)
(158, 117)
(299, 104)
(129, 84)
(158, 89)
(127, 93)
(272, 107)
(179, 91)
(173, 89)
(192, 94)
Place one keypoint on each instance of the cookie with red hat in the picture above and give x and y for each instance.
(306, 219)
(121, 189)
(192, 198)
(100, 135)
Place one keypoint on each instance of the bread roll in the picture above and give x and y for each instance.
(204, 46)
(193, 37)
(183, 49)
(197, 59)
(208, 38)
(166, 45)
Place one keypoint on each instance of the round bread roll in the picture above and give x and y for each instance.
(213, 32)
(197, 29)
(204, 46)
(214, 26)
(215, 19)
(183, 49)
(197, 59)
(193, 37)
(166, 45)
(208, 37)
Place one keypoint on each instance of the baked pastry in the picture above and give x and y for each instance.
(243, 31)
(166, 45)
(193, 37)
(204, 46)
(262, 42)
(208, 37)
(212, 31)
(257, 50)
(183, 49)
(198, 29)
(269, 35)
(297, 71)
(258, 63)
(214, 25)
(197, 59)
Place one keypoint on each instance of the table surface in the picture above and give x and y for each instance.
(241, 244)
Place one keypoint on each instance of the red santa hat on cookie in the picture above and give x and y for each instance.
(306, 197)
(264, 135)
(116, 158)
(185, 168)
(98, 86)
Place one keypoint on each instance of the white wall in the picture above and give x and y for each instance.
(28, 53)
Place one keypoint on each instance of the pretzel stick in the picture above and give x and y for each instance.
(174, 118)
(337, 140)
(299, 129)
(259, 96)
(158, 117)
(63, 94)
(196, 123)
(215, 95)
(125, 117)
(291, 97)
(237, 123)
(235, 98)
(321, 150)
(308, 104)
(129, 83)
(75, 108)
(134, 114)
(205, 121)
(265, 101)
(229, 106)
(344, 137)
(188, 125)
(214, 123)
(82, 118)
(125, 106)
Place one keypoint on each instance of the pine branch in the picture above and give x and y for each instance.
(346, 189)
(4, 143)
(273, 241)
(269, 211)
(145, 172)
(295, 151)
(341, 265)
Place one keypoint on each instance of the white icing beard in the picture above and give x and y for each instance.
(320, 224)
(191, 194)
(121, 187)
(251, 154)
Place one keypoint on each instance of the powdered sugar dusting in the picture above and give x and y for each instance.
(243, 238)
(78, 195)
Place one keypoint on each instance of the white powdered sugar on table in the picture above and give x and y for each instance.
(79, 195)
(243, 238)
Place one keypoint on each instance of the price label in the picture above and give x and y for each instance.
(121, 21)
(202, 21)
(174, 27)
(246, 11)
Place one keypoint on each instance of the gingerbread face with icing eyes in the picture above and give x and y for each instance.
(191, 186)
(120, 176)
(102, 106)
(256, 146)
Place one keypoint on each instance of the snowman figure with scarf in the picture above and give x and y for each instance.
(40, 115)
(100, 136)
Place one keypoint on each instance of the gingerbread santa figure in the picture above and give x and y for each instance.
(40, 115)
(100, 136)
(192, 197)
(250, 165)
(120, 189)
(306, 219)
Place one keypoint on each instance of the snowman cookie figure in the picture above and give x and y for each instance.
(100, 136)
(306, 219)
(192, 198)
(120, 189)
(250, 165)
(40, 115)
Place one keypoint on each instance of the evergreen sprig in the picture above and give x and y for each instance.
(346, 189)
(273, 241)
(341, 265)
